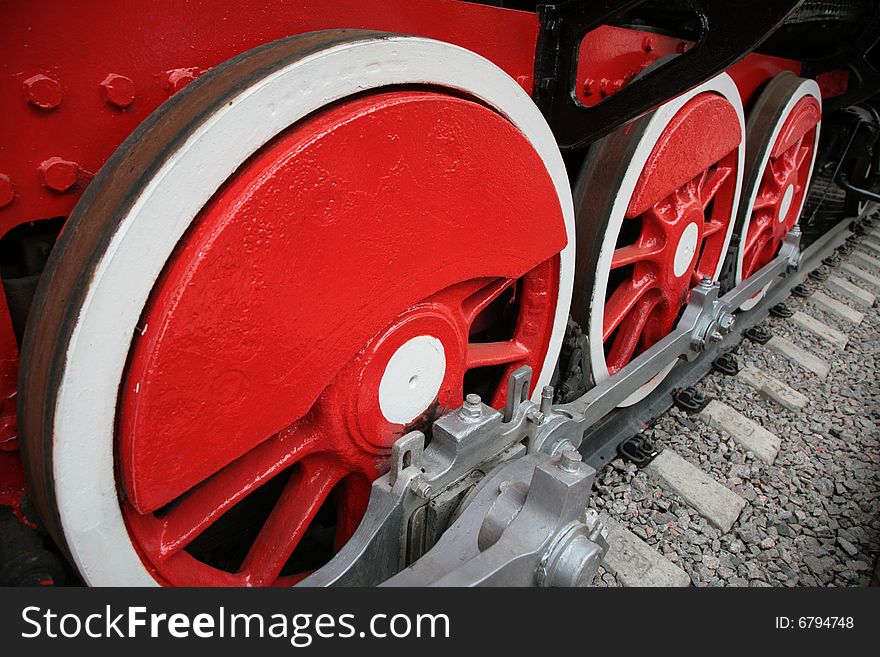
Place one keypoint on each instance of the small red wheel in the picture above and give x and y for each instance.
(655, 203)
(285, 270)
(782, 137)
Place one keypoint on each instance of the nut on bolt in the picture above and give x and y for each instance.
(118, 90)
(421, 488)
(59, 174)
(43, 92)
(569, 461)
(472, 409)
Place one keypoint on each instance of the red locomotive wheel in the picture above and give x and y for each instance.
(782, 137)
(286, 270)
(655, 203)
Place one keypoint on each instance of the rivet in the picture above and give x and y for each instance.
(118, 90)
(604, 88)
(59, 174)
(43, 92)
(7, 190)
(589, 85)
(648, 44)
(178, 78)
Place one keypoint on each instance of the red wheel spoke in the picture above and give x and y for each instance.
(629, 255)
(756, 231)
(712, 227)
(208, 501)
(622, 301)
(800, 156)
(766, 198)
(755, 247)
(711, 186)
(627, 338)
(303, 495)
(477, 301)
(484, 354)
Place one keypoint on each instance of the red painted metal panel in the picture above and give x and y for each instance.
(77, 77)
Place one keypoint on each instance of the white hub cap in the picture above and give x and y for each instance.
(686, 249)
(785, 204)
(412, 379)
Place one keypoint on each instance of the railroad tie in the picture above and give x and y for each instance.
(635, 563)
(799, 356)
(860, 274)
(715, 502)
(819, 329)
(835, 308)
(772, 389)
(866, 260)
(854, 292)
(747, 433)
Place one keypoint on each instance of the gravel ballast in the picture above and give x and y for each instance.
(813, 517)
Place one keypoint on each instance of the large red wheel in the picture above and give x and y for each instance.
(655, 205)
(312, 250)
(782, 137)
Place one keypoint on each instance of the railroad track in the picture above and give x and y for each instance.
(775, 481)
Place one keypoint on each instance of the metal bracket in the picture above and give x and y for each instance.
(525, 525)
(728, 31)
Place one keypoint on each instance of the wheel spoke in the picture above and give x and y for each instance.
(207, 502)
(468, 299)
(800, 155)
(629, 255)
(308, 488)
(756, 230)
(627, 338)
(711, 186)
(622, 301)
(753, 250)
(766, 198)
(484, 354)
(712, 227)
(477, 301)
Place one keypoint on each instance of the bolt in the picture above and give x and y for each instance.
(547, 400)
(589, 86)
(706, 281)
(43, 92)
(58, 174)
(473, 407)
(7, 190)
(118, 90)
(617, 85)
(535, 416)
(569, 461)
(648, 44)
(421, 488)
(178, 78)
(716, 336)
(604, 87)
(726, 322)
